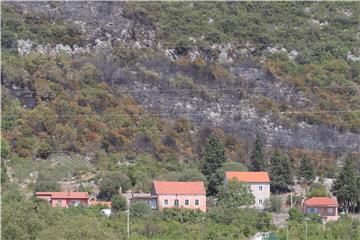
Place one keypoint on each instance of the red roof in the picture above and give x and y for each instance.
(94, 203)
(249, 177)
(180, 188)
(62, 195)
(321, 201)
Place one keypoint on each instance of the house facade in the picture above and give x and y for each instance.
(190, 195)
(326, 207)
(65, 199)
(259, 183)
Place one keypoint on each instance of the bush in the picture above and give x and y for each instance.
(8, 40)
(295, 214)
(318, 190)
(140, 209)
(273, 204)
(118, 203)
(46, 183)
(5, 149)
(44, 151)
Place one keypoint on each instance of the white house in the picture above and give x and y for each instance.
(259, 183)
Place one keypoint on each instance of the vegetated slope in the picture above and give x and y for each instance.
(126, 92)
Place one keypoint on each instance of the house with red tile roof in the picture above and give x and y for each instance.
(69, 199)
(191, 195)
(259, 183)
(326, 207)
(64, 199)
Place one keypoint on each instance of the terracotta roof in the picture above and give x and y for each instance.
(249, 177)
(180, 188)
(94, 203)
(77, 195)
(321, 201)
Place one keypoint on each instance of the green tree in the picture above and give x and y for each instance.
(46, 183)
(257, 163)
(118, 203)
(346, 187)
(318, 190)
(280, 173)
(273, 204)
(295, 214)
(306, 170)
(212, 161)
(111, 183)
(235, 195)
(20, 221)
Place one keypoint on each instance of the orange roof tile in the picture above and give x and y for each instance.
(321, 201)
(76, 195)
(180, 188)
(249, 177)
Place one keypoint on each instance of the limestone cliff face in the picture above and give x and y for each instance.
(227, 102)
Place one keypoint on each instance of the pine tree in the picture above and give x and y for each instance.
(257, 163)
(280, 173)
(306, 170)
(213, 160)
(346, 187)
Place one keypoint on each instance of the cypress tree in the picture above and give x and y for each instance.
(346, 187)
(257, 163)
(213, 160)
(306, 170)
(280, 173)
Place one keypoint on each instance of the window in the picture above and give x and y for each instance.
(312, 210)
(176, 203)
(186, 202)
(75, 203)
(166, 202)
(260, 188)
(330, 210)
(260, 201)
(58, 202)
(197, 202)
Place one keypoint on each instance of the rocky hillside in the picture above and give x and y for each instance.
(122, 82)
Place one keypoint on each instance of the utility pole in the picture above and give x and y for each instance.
(202, 228)
(182, 225)
(128, 223)
(306, 227)
(287, 232)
